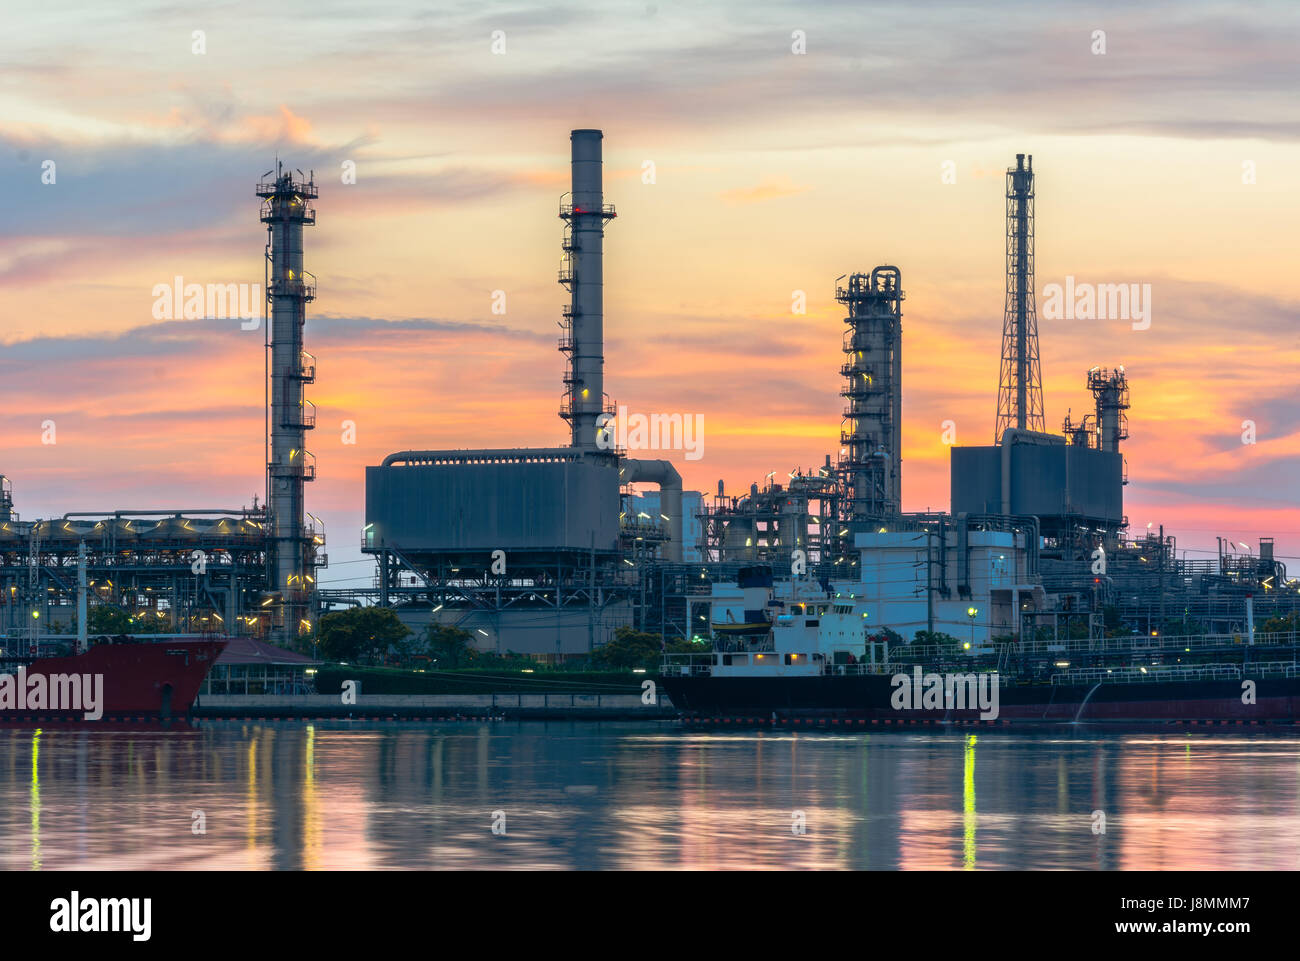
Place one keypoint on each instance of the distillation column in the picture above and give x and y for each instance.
(286, 208)
(873, 373)
(1020, 380)
(1110, 392)
(582, 272)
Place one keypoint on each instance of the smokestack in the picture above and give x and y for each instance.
(585, 215)
(286, 208)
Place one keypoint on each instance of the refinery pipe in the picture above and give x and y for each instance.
(664, 474)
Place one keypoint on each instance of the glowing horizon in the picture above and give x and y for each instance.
(774, 173)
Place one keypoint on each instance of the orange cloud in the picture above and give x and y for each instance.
(288, 126)
(766, 190)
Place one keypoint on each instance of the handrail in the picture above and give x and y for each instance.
(1178, 672)
(1135, 644)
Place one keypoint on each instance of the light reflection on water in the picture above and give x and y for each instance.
(628, 796)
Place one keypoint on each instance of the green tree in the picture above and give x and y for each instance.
(1113, 624)
(106, 619)
(450, 646)
(683, 645)
(362, 635)
(628, 649)
(1281, 624)
(934, 637)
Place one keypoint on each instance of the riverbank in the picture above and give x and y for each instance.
(556, 706)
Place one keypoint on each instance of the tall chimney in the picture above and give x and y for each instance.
(582, 273)
(286, 208)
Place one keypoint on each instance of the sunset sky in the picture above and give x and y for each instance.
(774, 172)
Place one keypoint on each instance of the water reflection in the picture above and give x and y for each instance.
(36, 800)
(333, 795)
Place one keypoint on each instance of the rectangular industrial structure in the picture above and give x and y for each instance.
(1043, 480)
(513, 501)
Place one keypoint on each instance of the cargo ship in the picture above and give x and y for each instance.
(115, 679)
(819, 662)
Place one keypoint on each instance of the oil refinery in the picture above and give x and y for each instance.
(546, 551)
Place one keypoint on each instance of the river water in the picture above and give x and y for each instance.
(561, 795)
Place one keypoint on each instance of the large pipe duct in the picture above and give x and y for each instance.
(286, 208)
(664, 474)
(585, 214)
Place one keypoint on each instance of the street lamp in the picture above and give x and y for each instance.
(972, 612)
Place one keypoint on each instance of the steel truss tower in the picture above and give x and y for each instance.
(286, 208)
(1020, 382)
(871, 465)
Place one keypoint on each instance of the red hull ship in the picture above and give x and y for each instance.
(129, 679)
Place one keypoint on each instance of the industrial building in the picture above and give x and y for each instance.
(1037, 535)
(648, 507)
(972, 582)
(248, 571)
(535, 550)
(546, 551)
